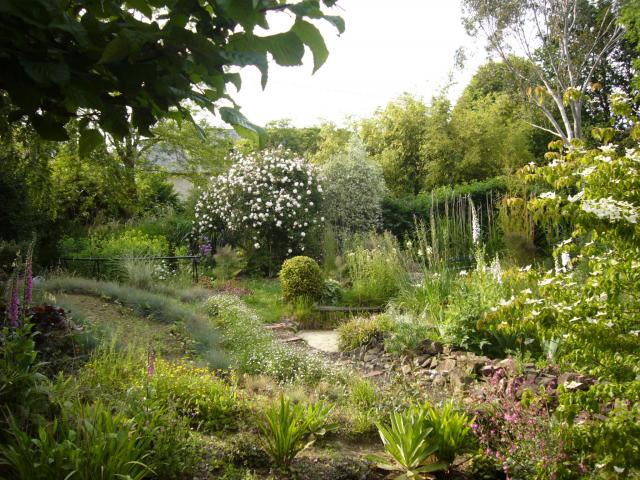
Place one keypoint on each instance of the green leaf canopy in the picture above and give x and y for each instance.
(122, 64)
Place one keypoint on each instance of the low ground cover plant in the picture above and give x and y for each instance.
(254, 349)
(152, 305)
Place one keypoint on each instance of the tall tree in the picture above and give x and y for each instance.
(303, 141)
(332, 140)
(565, 41)
(394, 137)
(181, 145)
(115, 64)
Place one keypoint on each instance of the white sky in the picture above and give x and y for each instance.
(389, 47)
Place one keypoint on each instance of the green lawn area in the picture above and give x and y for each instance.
(265, 298)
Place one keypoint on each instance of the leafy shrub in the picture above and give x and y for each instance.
(129, 243)
(184, 396)
(590, 298)
(331, 292)
(473, 296)
(23, 389)
(411, 443)
(196, 394)
(134, 243)
(176, 451)
(120, 247)
(353, 190)
(376, 268)
(363, 331)
(284, 431)
(229, 263)
(603, 427)
(301, 278)
(87, 441)
(289, 428)
(266, 202)
(8, 253)
(451, 430)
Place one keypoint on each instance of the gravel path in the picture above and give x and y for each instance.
(323, 340)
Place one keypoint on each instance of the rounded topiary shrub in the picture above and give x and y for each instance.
(301, 278)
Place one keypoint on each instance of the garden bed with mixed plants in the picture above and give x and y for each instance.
(500, 370)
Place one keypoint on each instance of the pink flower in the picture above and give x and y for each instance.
(151, 364)
(510, 417)
(14, 305)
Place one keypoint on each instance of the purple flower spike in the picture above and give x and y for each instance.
(151, 364)
(14, 305)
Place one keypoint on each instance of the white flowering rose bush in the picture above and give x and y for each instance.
(354, 190)
(268, 202)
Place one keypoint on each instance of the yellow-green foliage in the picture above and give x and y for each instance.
(197, 393)
(135, 242)
(362, 330)
(301, 278)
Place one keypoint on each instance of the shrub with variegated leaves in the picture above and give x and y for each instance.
(585, 309)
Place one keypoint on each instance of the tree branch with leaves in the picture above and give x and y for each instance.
(565, 41)
(118, 66)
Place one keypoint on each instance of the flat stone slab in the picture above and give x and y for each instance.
(292, 339)
(325, 340)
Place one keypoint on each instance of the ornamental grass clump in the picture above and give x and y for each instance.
(377, 268)
(365, 331)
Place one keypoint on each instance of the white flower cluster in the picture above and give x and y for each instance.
(162, 271)
(263, 197)
(475, 223)
(496, 270)
(611, 209)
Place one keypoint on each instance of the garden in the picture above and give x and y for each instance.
(439, 291)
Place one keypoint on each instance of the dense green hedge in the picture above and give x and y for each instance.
(398, 213)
